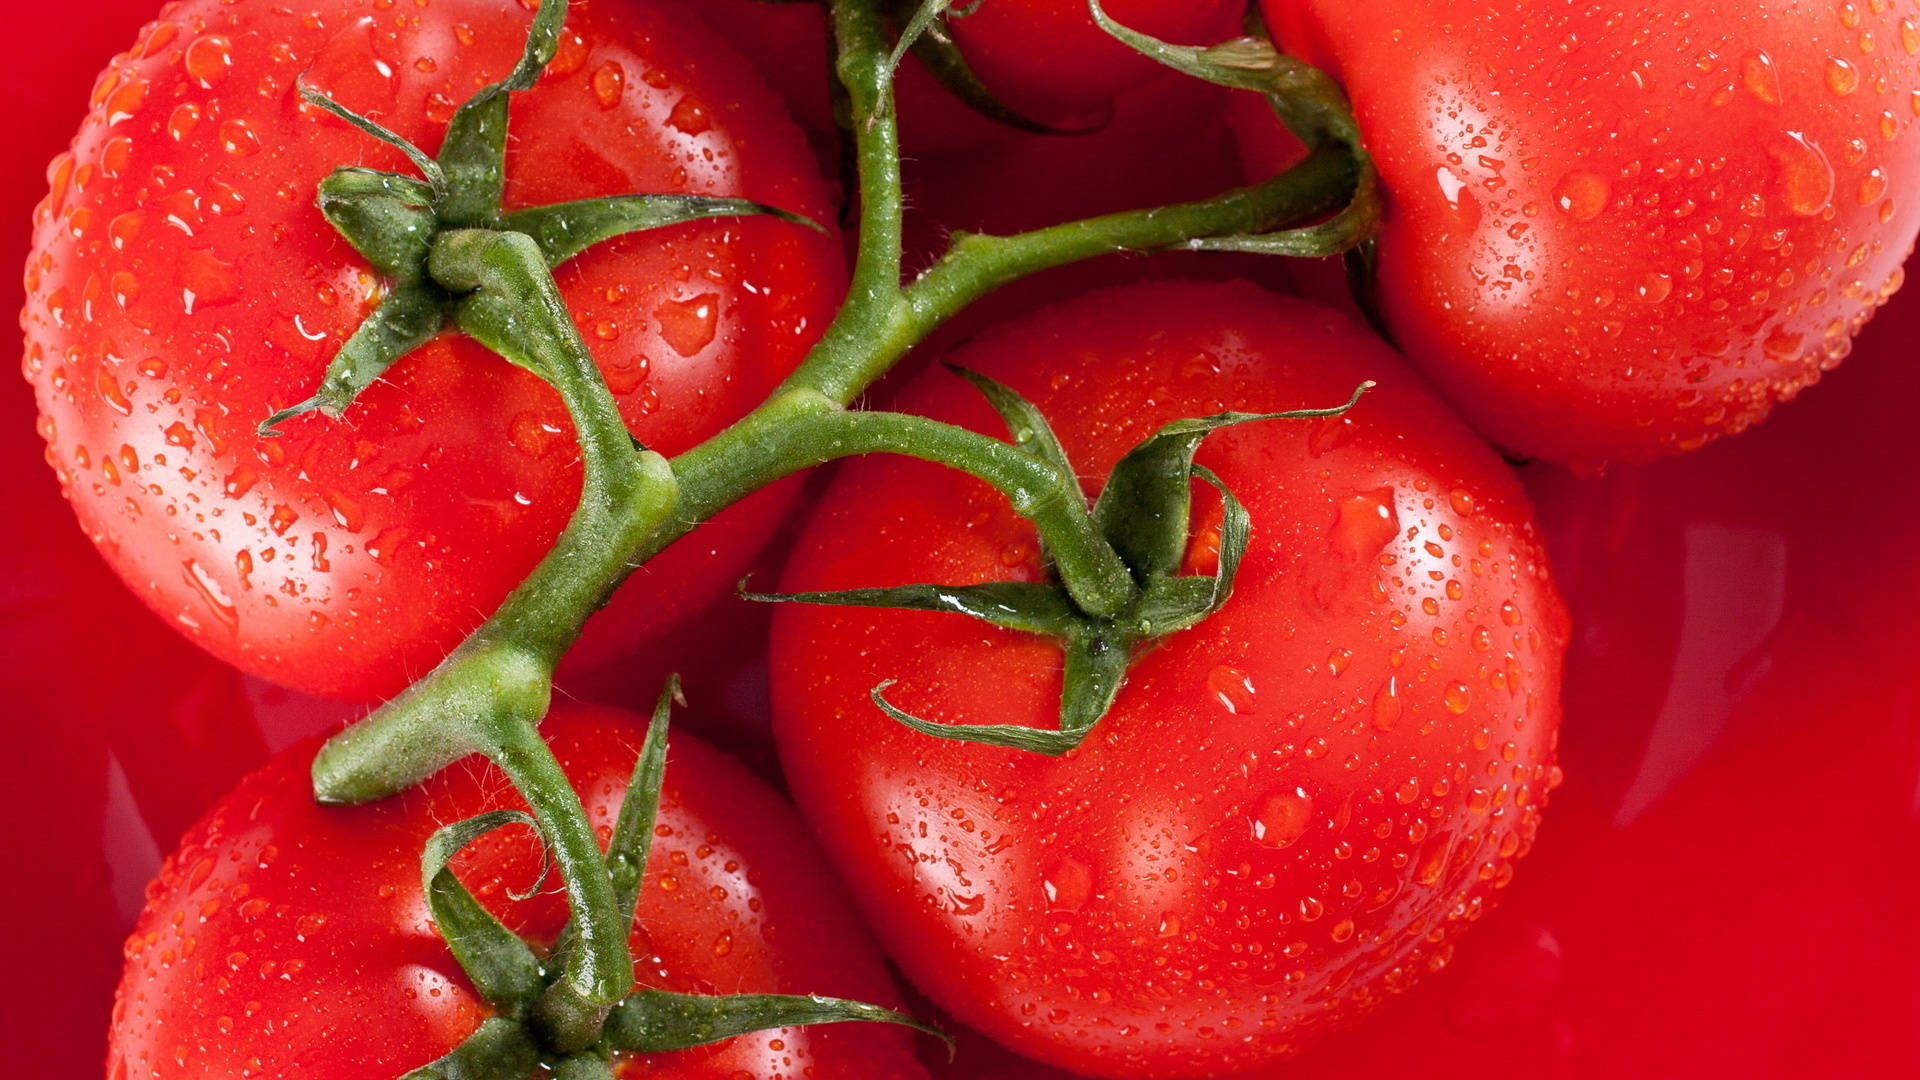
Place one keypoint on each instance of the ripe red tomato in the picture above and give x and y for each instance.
(1294, 808)
(1614, 235)
(1047, 59)
(184, 286)
(285, 938)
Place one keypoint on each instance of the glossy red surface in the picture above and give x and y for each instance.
(1728, 883)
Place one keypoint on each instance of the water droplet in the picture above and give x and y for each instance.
(1909, 36)
(1386, 704)
(531, 435)
(689, 116)
(723, 945)
(1582, 195)
(1654, 287)
(1282, 817)
(1759, 76)
(1364, 524)
(206, 280)
(237, 137)
(1232, 688)
(1842, 77)
(209, 59)
(111, 392)
(1458, 697)
(1068, 884)
(209, 589)
(1804, 175)
(609, 83)
(689, 325)
(182, 121)
(1338, 660)
(1450, 185)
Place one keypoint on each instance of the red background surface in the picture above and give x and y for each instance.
(1728, 884)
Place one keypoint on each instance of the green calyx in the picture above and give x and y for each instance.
(1141, 521)
(398, 222)
(537, 1025)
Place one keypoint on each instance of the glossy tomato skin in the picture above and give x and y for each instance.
(1293, 809)
(1616, 236)
(1047, 57)
(284, 938)
(183, 285)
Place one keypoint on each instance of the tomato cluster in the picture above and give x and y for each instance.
(1166, 719)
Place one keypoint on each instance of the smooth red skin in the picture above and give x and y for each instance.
(285, 938)
(1049, 60)
(375, 543)
(1161, 952)
(1602, 242)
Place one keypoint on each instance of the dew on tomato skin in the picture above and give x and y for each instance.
(208, 59)
(689, 325)
(609, 82)
(1582, 195)
(1282, 817)
(1364, 524)
(1232, 689)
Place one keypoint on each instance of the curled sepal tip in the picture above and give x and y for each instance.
(497, 1050)
(500, 965)
(658, 1021)
(1306, 100)
(1052, 743)
(436, 177)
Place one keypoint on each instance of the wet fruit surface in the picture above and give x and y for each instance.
(1618, 234)
(1294, 809)
(183, 286)
(284, 938)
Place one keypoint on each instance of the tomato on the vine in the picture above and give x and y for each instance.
(1293, 808)
(1618, 234)
(287, 938)
(184, 287)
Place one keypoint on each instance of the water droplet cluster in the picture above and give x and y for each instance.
(1647, 238)
(183, 286)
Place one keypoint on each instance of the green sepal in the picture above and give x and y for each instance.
(501, 966)
(1012, 736)
(1306, 100)
(564, 230)
(657, 1021)
(474, 150)
(1028, 606)
(1144, 508)
(632, 838)
(1024, 420)
(586, 1065)
(408, 318)
(1095, 667)
(497, 1050)
(429, 168)
(388, 218)
(1170, 604)
(941, 56)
